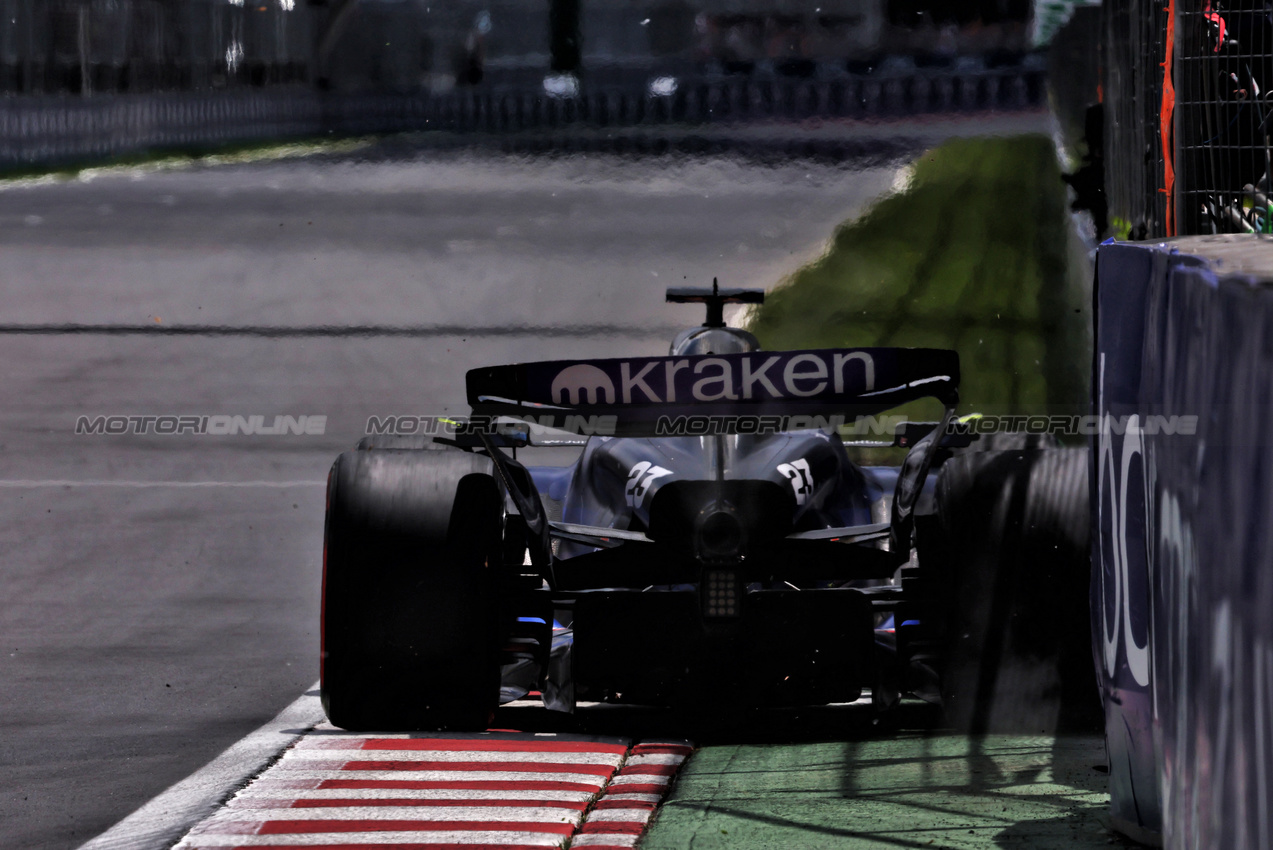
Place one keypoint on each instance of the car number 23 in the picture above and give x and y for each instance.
(800, 476)
(640, 477)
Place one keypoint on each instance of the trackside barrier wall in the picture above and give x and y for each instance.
(41, 130)
(1182, 589)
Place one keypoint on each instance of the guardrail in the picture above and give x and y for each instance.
(42, 131)
(1182, 590)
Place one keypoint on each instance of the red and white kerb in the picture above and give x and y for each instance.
(335, 789)
(620, 816)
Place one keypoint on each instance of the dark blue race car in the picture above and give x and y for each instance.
(713, 541)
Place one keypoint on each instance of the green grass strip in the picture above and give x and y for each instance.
(975, 255)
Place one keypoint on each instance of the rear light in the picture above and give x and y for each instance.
(721, 594)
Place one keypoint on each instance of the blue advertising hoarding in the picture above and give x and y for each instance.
(1183, 551)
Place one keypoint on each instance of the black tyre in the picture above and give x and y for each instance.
(411, 626)
(1016, 565)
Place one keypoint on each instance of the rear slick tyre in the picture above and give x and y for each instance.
(1015, 527)
(410, 621)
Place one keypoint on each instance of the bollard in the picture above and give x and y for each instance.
(763, 100)
(614, 108)
(655, 110)
(921, 95)
(717, 103)
(870, 98)
(1019, 94)
(676, 105)
(822, 100)
(966, 92)
(596, 107)
(780, 97)
(750, 100)
(836, 98)
(894, 97)
(944, 93)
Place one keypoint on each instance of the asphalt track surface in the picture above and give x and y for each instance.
(161, 591)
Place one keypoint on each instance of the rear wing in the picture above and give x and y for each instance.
(755, 392)
(726, 393)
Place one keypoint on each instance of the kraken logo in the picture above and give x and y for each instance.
(582, 383)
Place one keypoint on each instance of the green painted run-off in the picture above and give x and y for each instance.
(912, 790)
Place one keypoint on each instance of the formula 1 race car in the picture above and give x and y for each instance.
(713, 541)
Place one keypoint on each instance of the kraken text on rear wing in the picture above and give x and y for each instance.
(755, 392)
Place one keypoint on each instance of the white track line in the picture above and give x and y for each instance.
(379, 839)
(527, 813)
(588, 779)
(163, 820)
(257, 803)
(605, 840)
(328, 732)
(33, 484)
(631, 814)
(268, 791)
(640, 779)
(314, 754)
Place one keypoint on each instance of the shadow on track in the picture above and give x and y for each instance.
(711, 725)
